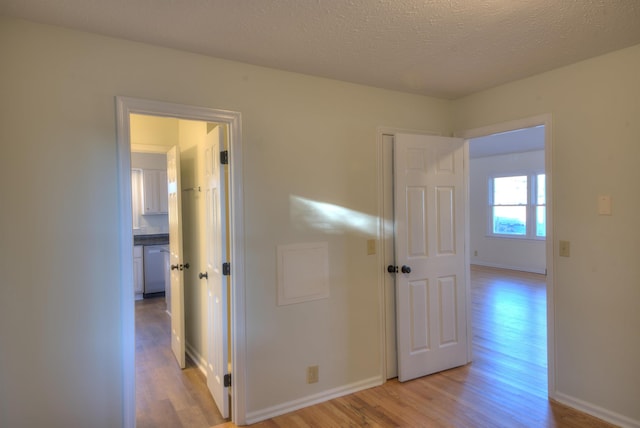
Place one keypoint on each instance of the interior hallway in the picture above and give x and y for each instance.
(165, 395)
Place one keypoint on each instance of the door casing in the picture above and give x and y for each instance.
(214, 254)
(124, 107)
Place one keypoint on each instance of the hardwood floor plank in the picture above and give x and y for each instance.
(504, 386)
(167, 396)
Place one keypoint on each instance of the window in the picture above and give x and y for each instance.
(541, 206)
(517, 206)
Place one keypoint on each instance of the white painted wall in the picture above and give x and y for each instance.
(509, 253)
(59, 302)
(596, 133)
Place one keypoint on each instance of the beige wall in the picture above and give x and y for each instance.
(595, 107)
(153, 131)
(60, 314)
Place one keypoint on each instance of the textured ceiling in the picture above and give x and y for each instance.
(442, 48)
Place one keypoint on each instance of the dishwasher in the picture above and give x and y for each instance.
(155, 267)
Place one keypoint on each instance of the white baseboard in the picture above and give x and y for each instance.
(280, 409)
(200, 361)
(597, 411)
(503, 266)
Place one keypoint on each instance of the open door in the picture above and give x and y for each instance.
(216, 254)
(430, 225)
(176, 258)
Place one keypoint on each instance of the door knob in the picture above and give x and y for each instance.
(203, 275)
(406, 269)
(180, 267)
(392, 269)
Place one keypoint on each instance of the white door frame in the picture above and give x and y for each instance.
(124, 107)
(468, 134)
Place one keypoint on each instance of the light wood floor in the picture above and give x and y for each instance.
(165, 395)
(505, 386)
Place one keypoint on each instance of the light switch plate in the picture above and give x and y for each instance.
(565, 249)
(371, 247)
(604, 205)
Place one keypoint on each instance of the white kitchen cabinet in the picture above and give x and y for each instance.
(155, 196)
(138, 269)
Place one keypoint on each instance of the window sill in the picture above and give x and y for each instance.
(516, 238)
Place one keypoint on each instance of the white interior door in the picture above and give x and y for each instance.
(430, 253)
(176, 258)
(215, 253)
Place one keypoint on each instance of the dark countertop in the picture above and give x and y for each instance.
(159, 239)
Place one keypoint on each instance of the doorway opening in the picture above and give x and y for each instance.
(182, 375)
(387, 284)
(230, 121)
(507, 254)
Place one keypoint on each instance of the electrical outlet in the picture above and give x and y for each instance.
(475, 253)
(313, 374)
(371, 246)
(565, 249)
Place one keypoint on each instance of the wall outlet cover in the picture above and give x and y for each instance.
(313, 374)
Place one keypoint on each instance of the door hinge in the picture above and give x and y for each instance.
(224, 157)
(227, 380)
(226, 268)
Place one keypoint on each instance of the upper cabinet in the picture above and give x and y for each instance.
(154, 195)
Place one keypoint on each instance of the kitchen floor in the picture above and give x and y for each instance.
(167, 396)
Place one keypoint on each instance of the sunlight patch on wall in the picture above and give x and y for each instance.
(331, 218)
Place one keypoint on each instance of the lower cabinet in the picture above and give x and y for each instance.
(138, 269)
